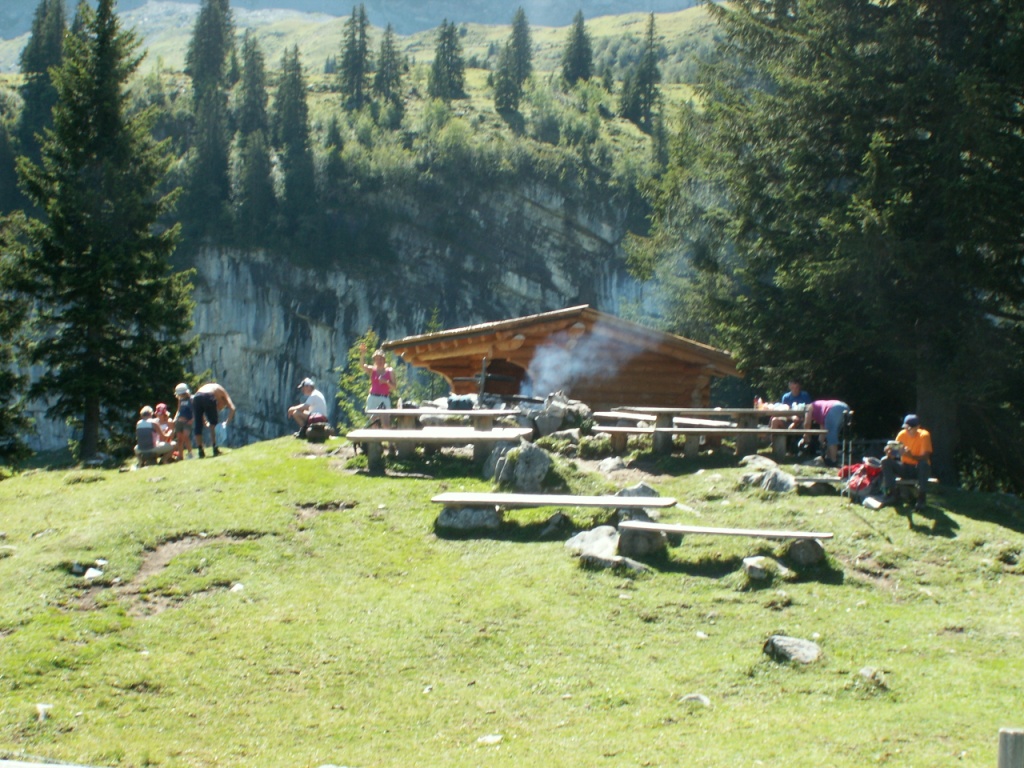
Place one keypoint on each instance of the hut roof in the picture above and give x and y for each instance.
(560, 347)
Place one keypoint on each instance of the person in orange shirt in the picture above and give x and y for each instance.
(909, 455)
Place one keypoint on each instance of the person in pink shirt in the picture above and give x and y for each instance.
(829, 415)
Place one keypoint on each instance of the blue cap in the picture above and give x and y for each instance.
(910, 420)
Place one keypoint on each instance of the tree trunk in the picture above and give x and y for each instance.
(936, 407)
(90, 444)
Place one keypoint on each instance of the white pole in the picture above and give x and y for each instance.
(1011, 748)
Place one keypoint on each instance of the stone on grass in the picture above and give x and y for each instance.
(805, 552)
(640, 489)
(468, 519)
(757, 462)
(760, 568)
(806, 487)
(598, 548)
(557, 526)
(784, 649)
(696, 698)
(524, 469)
(633, 543)
(611, 464)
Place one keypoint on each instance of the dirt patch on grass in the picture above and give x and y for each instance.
(309, 509)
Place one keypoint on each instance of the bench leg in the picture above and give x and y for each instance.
(691, 446)
(619, 441)
(405, 449)
(375, 458)
(779, 447)
(746, 445)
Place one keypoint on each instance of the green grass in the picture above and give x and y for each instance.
(360, 637)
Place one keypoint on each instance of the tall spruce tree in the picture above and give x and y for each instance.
(578, 57)
(508, 92)
(354, 69)
(251, 113)
(640, 95)
(14, 422)
(112, 315)
(447, 79)
(852, 196)
(210, 48)
(292, 138)
(521, 48)
(254, 201)
(43, 50)
(209, 52)
(387, 80)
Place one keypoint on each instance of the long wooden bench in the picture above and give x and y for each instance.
(481, 440)
(524, 500)
(746, 437)
(639, 525)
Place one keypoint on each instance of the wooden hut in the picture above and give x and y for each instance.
(591, 356)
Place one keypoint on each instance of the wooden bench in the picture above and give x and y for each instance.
(620, 435)
(746, 438)
(481, 440)
(638, 525)
(524, 500)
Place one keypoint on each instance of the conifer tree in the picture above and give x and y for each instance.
(210, 48)
(209, 52)
(14, 423)
(640, 94)
(578, 58)
(447, 74)
(521, 46)
(292, 138)
(112, 315)
(43, 50)
(508, 92)
(251, 114)
(354, 68)
(387, 80)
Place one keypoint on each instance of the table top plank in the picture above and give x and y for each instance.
(451, 435)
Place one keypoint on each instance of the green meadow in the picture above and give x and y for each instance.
(276, 606)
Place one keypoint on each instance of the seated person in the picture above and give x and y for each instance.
(148, 442)
(313, 404)
(909, 455)
(795, 396)
(183, 420)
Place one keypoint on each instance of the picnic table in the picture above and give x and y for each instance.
(739, 423)
(405, 440)
(408, 418)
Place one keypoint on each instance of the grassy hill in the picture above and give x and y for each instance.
(274, 607)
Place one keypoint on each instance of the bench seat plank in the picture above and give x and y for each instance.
(457, 499)
(639, 525)
(440, 435)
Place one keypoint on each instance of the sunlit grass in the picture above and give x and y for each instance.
(306, 614)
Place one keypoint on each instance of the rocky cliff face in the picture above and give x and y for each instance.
(264, 323)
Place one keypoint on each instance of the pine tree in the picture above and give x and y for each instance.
(210, 48)
(521, 52)
(640, 94)
(254, 196)
(112, 315)
(447, 74)
(14, 423)
(867, 165)
(578, 58)
(387, 81)
(292, 137)
(209, 52)
(508, 92)
(43, 50)
(251, 115)
(355, 60)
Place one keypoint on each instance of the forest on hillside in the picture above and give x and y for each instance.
(840, 200)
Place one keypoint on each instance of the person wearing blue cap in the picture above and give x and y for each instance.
(909, 455)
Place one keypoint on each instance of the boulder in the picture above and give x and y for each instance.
(468, 519)
(611, 464)
(785, 649)
(805, 552)
(524, 468)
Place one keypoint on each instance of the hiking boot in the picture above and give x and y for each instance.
(921, 502)
(216, 451)
(202, 454)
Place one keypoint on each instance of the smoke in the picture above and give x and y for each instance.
(568, 358)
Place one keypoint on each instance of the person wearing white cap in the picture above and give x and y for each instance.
(314, 403)
(909, 455)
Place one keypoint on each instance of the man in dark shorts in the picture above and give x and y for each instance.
(207, 402)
